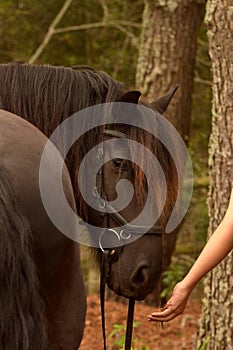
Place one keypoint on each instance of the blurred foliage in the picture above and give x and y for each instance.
(113, 49)
(205, 343)
(175, 273)
(110, 48)
(118, 334)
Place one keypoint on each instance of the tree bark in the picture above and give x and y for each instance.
(216, 326)
(166, 58)
(167, 54)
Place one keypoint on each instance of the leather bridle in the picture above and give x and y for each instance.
(122, 237)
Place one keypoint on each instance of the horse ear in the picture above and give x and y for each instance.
(162, 102)
(130, 97)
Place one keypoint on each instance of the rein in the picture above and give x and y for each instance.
(122, 236)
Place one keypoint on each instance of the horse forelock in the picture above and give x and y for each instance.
(139, 179)
(144, 176)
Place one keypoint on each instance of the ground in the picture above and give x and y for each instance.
(178, 334)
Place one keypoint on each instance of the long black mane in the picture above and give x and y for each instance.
(46, 95)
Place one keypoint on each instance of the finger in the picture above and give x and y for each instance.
(167, 318)
(164, 316)
(157, 319)
(166, 312)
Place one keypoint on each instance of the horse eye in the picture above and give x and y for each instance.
(117, 163)
(120, 164)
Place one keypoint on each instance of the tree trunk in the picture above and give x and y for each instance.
(166, 58)
(216, 327)
(167, 54)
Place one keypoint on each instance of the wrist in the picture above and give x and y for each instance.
(186, 285)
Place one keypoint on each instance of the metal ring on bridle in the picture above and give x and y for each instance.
(101, 236)
(125, 235)
(101, 201)
(95, 192)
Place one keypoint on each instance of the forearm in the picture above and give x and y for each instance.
(216, 249)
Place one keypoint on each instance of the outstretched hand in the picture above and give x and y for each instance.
(215, 250)
(174, 307)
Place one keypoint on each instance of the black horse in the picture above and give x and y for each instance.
(46, 96)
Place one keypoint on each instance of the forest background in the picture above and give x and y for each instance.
(105, 35)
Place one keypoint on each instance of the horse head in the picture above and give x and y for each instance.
(135, 255)
(134, 270)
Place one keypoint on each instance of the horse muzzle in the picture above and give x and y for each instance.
(136, 284)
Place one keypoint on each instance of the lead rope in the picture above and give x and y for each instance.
(103, 278)
(129, 327)
(130, 316)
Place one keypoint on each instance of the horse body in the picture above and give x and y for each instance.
(54, 258)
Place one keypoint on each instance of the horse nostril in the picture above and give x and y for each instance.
(139, 277)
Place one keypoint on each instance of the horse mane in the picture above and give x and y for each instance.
(47, 95)
(22, 319)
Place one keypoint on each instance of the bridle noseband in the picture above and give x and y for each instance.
(122, 237)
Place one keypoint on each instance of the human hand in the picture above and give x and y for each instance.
(174, 307)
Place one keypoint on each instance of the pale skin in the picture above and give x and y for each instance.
(215, 250)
